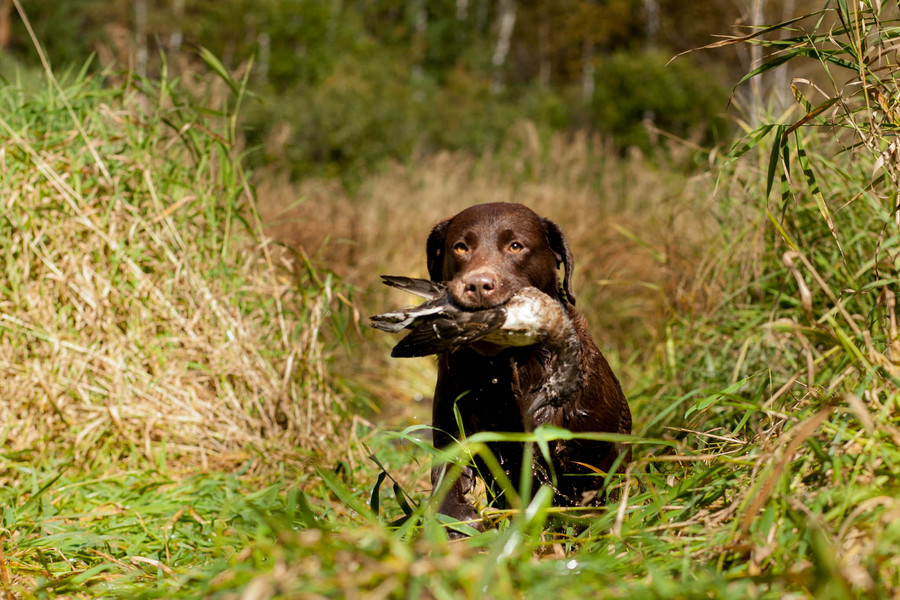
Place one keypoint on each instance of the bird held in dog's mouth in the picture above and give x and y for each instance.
(439, 325)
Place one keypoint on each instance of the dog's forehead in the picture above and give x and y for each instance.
(496, 218)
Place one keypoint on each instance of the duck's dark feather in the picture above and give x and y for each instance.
(420, 287)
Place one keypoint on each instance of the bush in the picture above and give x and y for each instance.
(363, 112)
(678, 97)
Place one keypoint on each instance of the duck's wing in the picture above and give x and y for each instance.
(447, 331)
(398, 320)
(420, 287)
(529, 317)
(437, 326)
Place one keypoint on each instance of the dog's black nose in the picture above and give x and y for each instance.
(480, 287)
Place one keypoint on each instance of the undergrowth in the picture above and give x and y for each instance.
(147, 328)
(139, 308)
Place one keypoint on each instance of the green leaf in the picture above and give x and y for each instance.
(33, 500)
(812, 114)
(338, 488)
(767, 66)
(816, 191)
(710, 400)
(777, 143)
(749, 141)
(456, 525)
(85, 575)
(213, 63)
(782, 231)
(401, 500)
(374, 501)
(306, 512)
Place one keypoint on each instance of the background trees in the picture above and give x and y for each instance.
(349, 83)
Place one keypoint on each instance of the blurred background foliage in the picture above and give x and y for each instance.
(340, 86)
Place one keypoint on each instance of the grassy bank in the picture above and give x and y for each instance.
(146, 330)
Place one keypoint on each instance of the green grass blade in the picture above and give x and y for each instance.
(219, 69)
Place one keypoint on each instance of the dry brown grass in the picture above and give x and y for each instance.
(638, 233)
(136, 314)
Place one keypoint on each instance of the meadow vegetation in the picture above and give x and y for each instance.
(191, 410)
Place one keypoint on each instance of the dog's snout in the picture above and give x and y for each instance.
(480, 287)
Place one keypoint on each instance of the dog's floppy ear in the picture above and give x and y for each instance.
(560, 247)
(434, 250)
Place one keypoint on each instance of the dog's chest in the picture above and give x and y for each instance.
(492, 389)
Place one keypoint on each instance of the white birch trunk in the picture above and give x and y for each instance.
(141, 53)
(544, 52)
(420, 27)
(176, 38)
(757, 18)
(421, 17)
(264, 43)
(651, 7)
(507, 22)
(462, 10)
(782, 85)
(587, 71)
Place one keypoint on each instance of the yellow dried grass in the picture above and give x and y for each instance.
(134, 311)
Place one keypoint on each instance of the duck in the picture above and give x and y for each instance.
(440, 325)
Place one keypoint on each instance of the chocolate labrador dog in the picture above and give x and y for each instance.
(485, 255)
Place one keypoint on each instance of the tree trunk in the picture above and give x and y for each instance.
(507, 21)
(651, 29)
(421, 17)
(420, 28)
(587, 67)
(5, 23)
(544, 47)
(141, 53)
(264, 43)
(333, 19)
(757, 18)
(462, 10)
(587, 71)
(481, 17)
(783, 97)
(177, 36)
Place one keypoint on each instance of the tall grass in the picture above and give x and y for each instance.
(141, 313)
(767, 422)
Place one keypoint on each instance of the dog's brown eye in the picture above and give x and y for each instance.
(516, 247)
(460, 248)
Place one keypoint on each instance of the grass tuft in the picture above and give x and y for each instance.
(141, 313)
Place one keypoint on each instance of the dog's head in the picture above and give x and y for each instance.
(488, 252)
